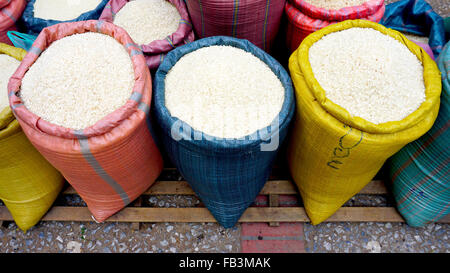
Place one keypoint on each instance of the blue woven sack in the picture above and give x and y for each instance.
(420, 172)
(226, 174)
(34, 25)
(416, 17)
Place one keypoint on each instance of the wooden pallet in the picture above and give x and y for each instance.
(273, 214)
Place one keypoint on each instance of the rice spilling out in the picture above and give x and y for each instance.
(75, 82)
(63, 10)
(148, 20)
(370, 74)
(8, 65)
(223, 91)
(335, 4)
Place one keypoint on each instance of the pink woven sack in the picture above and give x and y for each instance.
(10, 12)
(301, 25)
(255, 20)
(156, 50)
(348, 13)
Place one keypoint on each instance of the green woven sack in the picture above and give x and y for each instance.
(420, 171)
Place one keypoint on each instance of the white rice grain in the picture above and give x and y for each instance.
(335, 4)
(78, 80)
(8, 65)
(223, 91)
(63, 10)
(370, 74)
(148, 20)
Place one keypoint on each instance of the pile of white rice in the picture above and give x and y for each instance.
(78, 80)
(63, 10)
(370, 74)
(416, 38)
(335, 4)
(223, 91)
(8, 66)
(148, 20)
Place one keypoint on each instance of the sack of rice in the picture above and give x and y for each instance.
(416, 17)
(255, 20)
(223, 107)
(157, 26)
(364, 92)
(88, 113)
(40, 14)
(28, 183)
(420, 171)
(10, 12)
(308, 16)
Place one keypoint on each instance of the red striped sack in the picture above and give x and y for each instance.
(156, 50)
(111, 162)
(301, 25)
(10, 12)
(255, 20)
(356, 12)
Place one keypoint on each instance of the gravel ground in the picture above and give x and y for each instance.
(376, 237)
(171, 237)
(75, 237)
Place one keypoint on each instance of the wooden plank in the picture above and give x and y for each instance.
(202, 215)
(375, 187)
(271, 187)
(274, 201)
(136, 226)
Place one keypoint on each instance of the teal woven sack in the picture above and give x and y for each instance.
(226, 174)
(21, 40)
(420, 172)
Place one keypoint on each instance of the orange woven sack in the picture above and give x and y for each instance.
(111, 162)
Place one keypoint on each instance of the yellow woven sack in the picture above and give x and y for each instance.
(28, 183)
(333, 155)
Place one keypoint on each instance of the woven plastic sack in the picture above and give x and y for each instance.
(10, 12)
(35, 25)
(420, 171)
(21, 40)
(425, 47)
(111, 162)
(28, 183)
(155, 51)
(416, 17)
(226, 174)
(356, 12)
(255, 20)
(300, 25)
(333, 155)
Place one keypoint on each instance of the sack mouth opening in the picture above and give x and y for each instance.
(365, 9)
(128, 111)
(302, 20)
(183, 31)
(28, 13)
(431, 80)
(208, 141)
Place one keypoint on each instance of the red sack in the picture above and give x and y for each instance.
(10, 12)
(156, 50)
(255, 20)
(301, 25)
(111, 162)
(356, 12)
